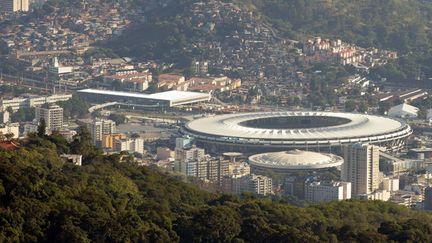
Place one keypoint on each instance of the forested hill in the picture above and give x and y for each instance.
(44, 200)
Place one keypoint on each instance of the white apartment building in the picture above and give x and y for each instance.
(319, 192)
(361, 168)
(100, 127)
(31, 101)
(10, 128)
(53, 116)
(258, 184)
(135, 145)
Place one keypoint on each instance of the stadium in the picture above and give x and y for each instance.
(278, 131)
(293, 160)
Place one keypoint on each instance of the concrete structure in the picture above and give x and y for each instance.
(294, 160)
(31, 101)
(135, 145)
(258, 184)
(320, 192)
(403, 111)
(164, 153)
(394, 165)
(157, 100)
(390, 184)
(10, 128)
(56, 69)
(76, 159)
(184, 142)
(11, 6)
(108, 140)
(4, 117)
(361, 168)
(100, 127)
(136, 81)
(53, 116)
(276, 131)
(428, 198)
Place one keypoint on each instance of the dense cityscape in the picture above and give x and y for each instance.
(214, 121)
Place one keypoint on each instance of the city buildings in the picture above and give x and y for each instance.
(319, 192)
(361, 168)
(257, 184)
(135, 81)
(195, 163)
(10, 128)
(108, 140)
(27, 101)
(11, 6)
(184, 142)
(100, 127)
(157, 100)
(427, 204)
(52, 115)
(133, 145)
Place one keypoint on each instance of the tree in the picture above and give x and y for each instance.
(41, 128)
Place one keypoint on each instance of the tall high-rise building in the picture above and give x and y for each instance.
(11, 6)
(361, 168)
(427, 203)
(100, 127)
(53, 116)
(193, 162)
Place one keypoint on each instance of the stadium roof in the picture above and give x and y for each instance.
(174, 97)
(359, 125)
(295, 160)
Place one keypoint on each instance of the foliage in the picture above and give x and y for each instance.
(117, 118)
(45, 199)
(23, 114)
(75, 107)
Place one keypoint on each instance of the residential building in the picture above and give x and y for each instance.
(11, 6)
(184, 142)
(427, 203)
(135, 81)
(361, 168)
(258, 184)
(319, 192)
(108, 140)
(29, 101)
(100, 127)
(75, 159)
(53, 116)
(164, 153)
(10, 128)
(133, 145)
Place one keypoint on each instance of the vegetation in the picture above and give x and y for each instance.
(75, 107)
(46, 200)
(22, 115)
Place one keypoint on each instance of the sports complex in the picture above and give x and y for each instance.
(277, 131)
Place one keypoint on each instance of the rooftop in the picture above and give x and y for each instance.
(295, 160)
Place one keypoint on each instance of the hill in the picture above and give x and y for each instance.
(45, 200)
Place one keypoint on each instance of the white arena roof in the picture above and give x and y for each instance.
(295, 160)
(290, 129)
(174, 97)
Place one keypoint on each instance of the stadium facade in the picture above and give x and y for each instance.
(279, 131)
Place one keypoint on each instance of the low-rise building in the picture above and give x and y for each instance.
(320, 192)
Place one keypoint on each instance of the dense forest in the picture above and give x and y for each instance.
(111, 199)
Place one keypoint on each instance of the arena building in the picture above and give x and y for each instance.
(293, 160)
(164, 99)
(278, 131)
